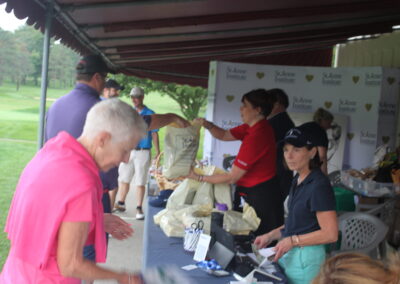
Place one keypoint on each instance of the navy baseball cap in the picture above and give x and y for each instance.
(110, 83)
(91, 64)
(298, 137)
(161, 199)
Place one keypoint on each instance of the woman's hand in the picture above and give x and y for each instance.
(200, 121)
(192, 175)
(282, 247)
(130, 279)
(263, 240)
(117, 227)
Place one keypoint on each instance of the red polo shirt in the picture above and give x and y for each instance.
(257, 154)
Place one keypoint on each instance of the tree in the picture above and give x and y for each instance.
(34, 44)
(23, 65)
(7, 53)
(62, 65)
(190, 99)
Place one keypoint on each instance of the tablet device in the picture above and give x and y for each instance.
(221, 254)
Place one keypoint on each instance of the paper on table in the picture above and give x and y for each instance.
(202, 247)
(267, 252)
(189, 267)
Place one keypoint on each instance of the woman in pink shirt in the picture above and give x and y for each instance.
(56, 209)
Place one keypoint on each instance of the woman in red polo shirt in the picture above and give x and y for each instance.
(253, 170)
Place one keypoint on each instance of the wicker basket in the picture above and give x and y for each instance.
(162, 182)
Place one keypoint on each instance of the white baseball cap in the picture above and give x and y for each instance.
(136, 92)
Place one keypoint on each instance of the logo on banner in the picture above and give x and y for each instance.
(285, 77)
(227, 124)
(234, 73)
(368, 107)
(350, 135)
(331, 79)
(347, 106)
(356, 79)
(373, 79)
(260, 75)
(212, 72)
(230, 98)
(387, 109)
(309, 77)
(328, 105)
(300, 103)
(391, 80)
(367, 137)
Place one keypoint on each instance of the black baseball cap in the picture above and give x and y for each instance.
(110, 83)
(298, 137)
(91, 64)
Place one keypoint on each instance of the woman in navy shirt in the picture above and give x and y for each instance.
(312, 217)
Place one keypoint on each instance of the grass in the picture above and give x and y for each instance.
(18, 134)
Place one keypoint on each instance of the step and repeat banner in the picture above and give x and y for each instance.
(363, 100)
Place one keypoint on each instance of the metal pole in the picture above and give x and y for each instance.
(45, 69)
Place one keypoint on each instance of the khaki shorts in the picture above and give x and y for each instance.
(137, 169)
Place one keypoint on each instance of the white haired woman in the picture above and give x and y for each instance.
(57, 210)
(312, 217)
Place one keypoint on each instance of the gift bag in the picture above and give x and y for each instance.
(171, 226)
(180, 149)
(204, 195)
(222, 191)
(241, 223)
(183, 194)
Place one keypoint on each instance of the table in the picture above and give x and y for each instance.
(159, 250)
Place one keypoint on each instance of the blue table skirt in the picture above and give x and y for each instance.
(159, 250)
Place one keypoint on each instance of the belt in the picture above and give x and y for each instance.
(140, 148)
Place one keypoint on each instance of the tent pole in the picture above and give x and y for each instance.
(45, 69)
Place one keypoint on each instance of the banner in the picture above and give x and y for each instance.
(356, 93)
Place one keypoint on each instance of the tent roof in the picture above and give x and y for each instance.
(174, 40)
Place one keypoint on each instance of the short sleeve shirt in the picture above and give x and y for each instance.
(318, 134)
(68, 113)
(147, 140)
(257, 154)
(314, 194)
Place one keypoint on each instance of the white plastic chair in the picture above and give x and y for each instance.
(385, 212)
(361, 232)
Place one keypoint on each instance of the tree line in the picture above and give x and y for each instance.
(21, 55)
(21, 59)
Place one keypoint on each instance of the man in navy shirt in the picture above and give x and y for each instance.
(281, 123)
(137, 168)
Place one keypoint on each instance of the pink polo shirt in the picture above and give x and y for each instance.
(60, 184)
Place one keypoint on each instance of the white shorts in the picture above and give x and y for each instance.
(136, 169)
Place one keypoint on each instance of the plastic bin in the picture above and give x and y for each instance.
(344, 199)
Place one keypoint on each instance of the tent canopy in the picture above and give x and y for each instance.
(174, 40)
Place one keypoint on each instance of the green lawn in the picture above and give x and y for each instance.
(18, 134)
